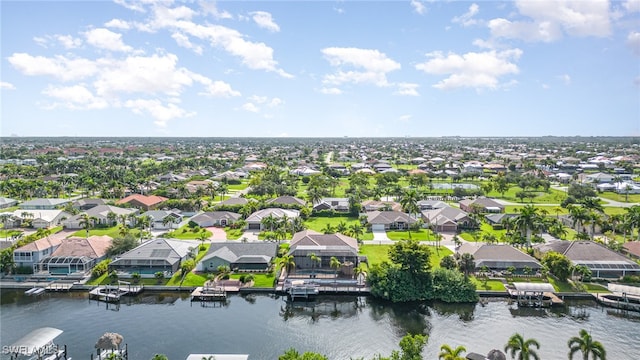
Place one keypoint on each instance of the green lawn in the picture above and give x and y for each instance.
(233, 234)
(561, 286)
(492, 285)
(422, 234)
(238, 187)
(379, 253)
(595, 288)
(551, 197)
(259, 280)
(632, 198)
(10, 209)
(191, 280)
(113, 231)
(318, 223)
(187, 233)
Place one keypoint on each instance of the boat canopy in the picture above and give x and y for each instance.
(533, 287)
(31, 343)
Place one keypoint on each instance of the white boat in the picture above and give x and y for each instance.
(38, 345)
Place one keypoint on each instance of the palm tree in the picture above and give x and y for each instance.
(466, 264)
(409, 201)
(287, 262)
(111, 217)
(329, 229)
(86, 222)
(314, 259)
(632, 219)
(356, 230)
(449, 353)
(585, 344)
(523, 349)
(528, 220)
(578, 215)
(341, 227)
(335, 264)
(159, 357)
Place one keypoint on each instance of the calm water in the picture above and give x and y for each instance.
(265, 326)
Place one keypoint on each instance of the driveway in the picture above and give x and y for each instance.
(217, 234)
(380, 237)
(251, 235)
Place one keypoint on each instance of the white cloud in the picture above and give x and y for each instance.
(565, 78)
(154, 107)
(551, 18)
(219, 89)
(183, 40)
(41, 41)
(264, 20)
(633, 41)
(467, 19)
(275, 102)
(60, 67)
(258, 99)
(143, 74)
(210, 7)
(6, 86)
(418, 6)
(405, 118)
(632, 6)
(407, 89)
(373, 66)
(472, 70)
(118, 24)
(75, 97)
(68, 41)
(135, 5)
(331, 91)
(250, 107)
(106, 39)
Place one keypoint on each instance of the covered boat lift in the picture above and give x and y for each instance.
(39, 345)
(534, 294)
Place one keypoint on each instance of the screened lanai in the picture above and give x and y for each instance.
(64, 265)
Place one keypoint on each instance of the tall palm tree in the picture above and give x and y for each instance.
(86, 222)
(466, 264)
(585, 344)
(528, 220)
(632, 219)
(579, 215)
(287, 262)
(449, 353)
(409, 201)
(356, 230)
(314, 259)
(523, 349)
(334, 263)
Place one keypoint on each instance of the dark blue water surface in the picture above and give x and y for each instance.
(264, 326)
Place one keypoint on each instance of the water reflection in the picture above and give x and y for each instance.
(407, 318)
(325, 307)
(464, 311)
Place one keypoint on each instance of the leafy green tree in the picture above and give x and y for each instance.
(558, 264)
(448, 262)
(159, 357)
(522, 349)
(585, 345)
(449, 353)
(411, 256)
(121, 245)
(451, 286)
(466, 264)
(292, 354)
(410, 348)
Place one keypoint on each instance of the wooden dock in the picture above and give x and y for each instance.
(59, 286)
(202, 293)
(112, 293)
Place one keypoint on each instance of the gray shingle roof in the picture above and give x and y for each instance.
(238, 252)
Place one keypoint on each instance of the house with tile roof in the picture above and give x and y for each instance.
(155, 255)
(32, 253)
(216, 218)
(249, 256)
(254, 221)
(101, 215)
(143, 202)
(481, 204)
(43, 204)
(446, 219)
(602, 261)
(325, 246)
(75, 255)
(499, 257)
(389, 220)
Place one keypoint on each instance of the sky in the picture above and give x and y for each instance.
(320, 68)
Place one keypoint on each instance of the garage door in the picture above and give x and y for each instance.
(377, 227)
(254, 226)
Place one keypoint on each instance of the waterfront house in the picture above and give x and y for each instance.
(482, 205)
(249, 256)
(325, 246)
(101, 215)
(30, 254)
(499, 257)
(142, 201)
(389, 220)
(75, 255)
(216, 218)
(155, 255)
(254, 221)
(43, 204)
(446, 219)
(602, 261)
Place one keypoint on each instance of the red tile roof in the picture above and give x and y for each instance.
(143, 199)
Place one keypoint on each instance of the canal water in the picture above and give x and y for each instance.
(264, 326)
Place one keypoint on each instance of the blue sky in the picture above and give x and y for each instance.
(320, 68)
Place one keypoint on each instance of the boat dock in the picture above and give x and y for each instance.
(113, 293)
(622, 297)
(209, 293)
(59, 286)
(35, 291)
(534, 294)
